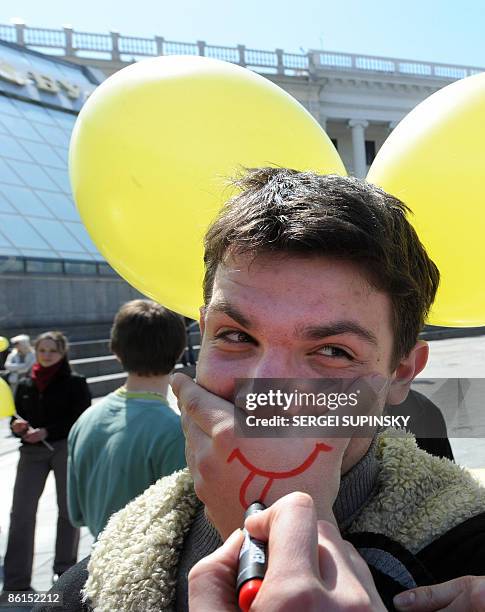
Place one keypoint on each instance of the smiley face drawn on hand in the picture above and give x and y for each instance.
(320, 447)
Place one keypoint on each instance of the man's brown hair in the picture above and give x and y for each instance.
(147, 338)
(283, 211)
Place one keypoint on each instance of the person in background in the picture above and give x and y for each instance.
(130, 439)
(48, 401)
(20, 360)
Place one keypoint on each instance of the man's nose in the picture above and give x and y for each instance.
(274, 364)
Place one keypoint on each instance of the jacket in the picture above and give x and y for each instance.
(58, 407)
(18, 365)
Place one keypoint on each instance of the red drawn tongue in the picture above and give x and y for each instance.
(264, 488)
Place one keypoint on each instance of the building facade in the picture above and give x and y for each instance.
(51, 274)
(50, 271)
(358, 99)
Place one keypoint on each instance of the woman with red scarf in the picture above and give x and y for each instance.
(48, 402)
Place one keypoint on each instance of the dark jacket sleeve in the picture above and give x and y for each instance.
(459, 552)
(68, 588)
(426, 423)
(79, 398)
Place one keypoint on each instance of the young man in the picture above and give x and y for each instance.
(131, 438)
(307, 276)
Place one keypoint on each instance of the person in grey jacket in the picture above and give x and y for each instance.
(20, 360)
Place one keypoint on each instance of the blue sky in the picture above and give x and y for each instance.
(442, 31)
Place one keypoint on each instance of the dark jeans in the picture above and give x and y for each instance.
(34, 466)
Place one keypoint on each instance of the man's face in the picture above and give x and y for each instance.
(292, 317)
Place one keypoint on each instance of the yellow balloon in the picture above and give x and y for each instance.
(434, 161)
(3, 344)
(7, 406)
(151, 152)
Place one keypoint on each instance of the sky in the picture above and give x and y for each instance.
(443, 31)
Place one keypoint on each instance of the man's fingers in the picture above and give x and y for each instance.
(343, 570)
(444, 596)
(212, 581)
(177, 381)
(331, 551)
(205, 408)
(290, 528)
(470, 600)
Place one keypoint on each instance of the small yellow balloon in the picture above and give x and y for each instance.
(151, 152)
(7, 406)
(3, 344)
(434, 161)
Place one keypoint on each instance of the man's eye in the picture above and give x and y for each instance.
(233, 337)
(333, 351)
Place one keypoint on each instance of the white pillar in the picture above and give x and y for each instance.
(315, 107)
(358, 146)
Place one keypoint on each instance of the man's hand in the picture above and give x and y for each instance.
(230, 472)
(35, 435)
(310, 566)
(19, 426)
(465, 594)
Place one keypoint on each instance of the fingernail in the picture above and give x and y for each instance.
(404, 600)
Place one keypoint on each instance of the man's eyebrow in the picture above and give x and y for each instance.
(230, 310)
(317, 332)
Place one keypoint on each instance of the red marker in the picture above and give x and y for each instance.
(252, 564)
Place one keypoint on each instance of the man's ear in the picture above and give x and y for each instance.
(202, 313)
(407, 370)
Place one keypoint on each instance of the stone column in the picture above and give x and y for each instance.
(115, 46)
(19, 32)
(315, 109)
(358, 146)
(68, 48)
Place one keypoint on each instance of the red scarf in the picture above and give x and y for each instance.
(42, 376)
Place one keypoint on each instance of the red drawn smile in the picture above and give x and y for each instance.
(270, 475)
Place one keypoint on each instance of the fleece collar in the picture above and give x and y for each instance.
(419, 496)
(133, 565)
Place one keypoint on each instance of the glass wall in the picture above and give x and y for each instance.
(37, 214)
